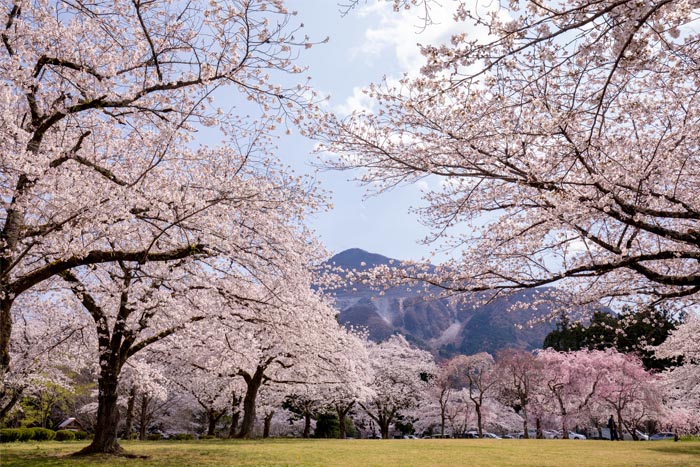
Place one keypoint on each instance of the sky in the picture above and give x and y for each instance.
(365, 45)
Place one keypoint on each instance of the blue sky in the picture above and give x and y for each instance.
(370, 42)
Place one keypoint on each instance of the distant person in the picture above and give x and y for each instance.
(612, 428)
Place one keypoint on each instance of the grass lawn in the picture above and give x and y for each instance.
(364, 453)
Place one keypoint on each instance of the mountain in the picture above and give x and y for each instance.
(355, 258)
(445, 326)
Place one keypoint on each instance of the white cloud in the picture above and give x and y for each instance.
(391, 41)
(358, 102)
(399, 33)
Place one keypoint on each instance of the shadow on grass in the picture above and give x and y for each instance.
(68, 459)
(692, 449)
(23, 461)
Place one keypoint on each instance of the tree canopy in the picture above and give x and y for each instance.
(560, 144)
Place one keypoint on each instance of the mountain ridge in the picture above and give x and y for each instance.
(445, 326)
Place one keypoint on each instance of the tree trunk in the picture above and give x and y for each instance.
(212, 418)
(253, 385)
(620, 426)
(538, 428)
(129, 414)
(526, 435)
(342, 413)
(235, 415)
(5, 334)
(143, 419)
(105, 440)
(234, 424)
(384, 428)
(5, 409)
(563, 414)
(383, 418)
(307, 425)
(479, 428)
(268, 422)
(341, 427)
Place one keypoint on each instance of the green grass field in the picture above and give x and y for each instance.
(364, 453)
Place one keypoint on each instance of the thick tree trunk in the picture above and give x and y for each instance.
(143, 417)
(248, 413)
(341, 427)
(129, 423)
(211, 419)
(307, 425)
(105, 440)
(538, 427)
(253, 385)
(384, 428)
(268, 422)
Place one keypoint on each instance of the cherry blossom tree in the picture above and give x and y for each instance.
(628, 389)
(46, 348)
(349, 377)
(682, 383)
(137, 306)
(571, 380)
(100, 103)
(210, 391)
(152, 398)
(106, 186)
(476, 373)
(400, 377)
(442, 391)
(229, 362)
(133, 307)
(517, 373)
(500, 417)
(305, 405)
(271, 400)
(287, 334)
(460, 413)
(144, 385)
(287, 350)
(559, 141)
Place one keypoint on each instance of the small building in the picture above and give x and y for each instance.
(71, 424)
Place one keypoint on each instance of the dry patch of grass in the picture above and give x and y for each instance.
(365, 453)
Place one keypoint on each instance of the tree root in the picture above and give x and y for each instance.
(116, 450)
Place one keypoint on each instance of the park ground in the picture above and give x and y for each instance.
(364, 453)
